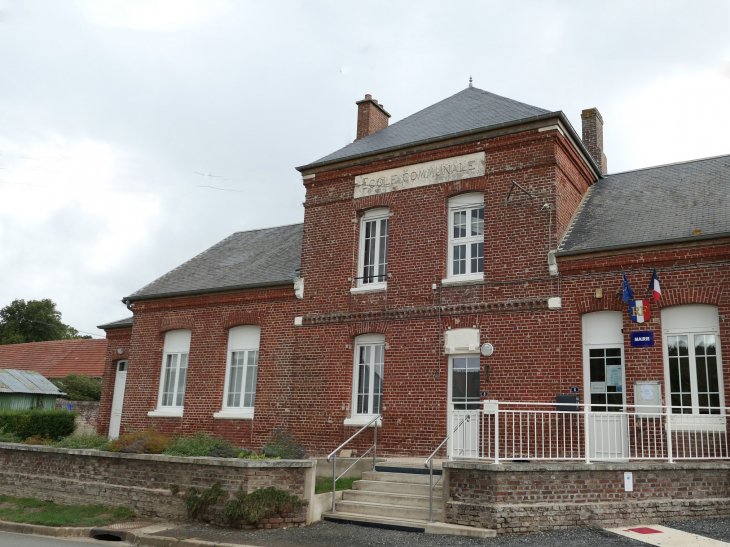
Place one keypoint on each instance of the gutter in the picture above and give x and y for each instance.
(133, 297)
(540, 117)
(641, 244)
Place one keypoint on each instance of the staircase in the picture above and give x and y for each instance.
(395, 498)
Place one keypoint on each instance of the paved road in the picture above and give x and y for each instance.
(23, 540)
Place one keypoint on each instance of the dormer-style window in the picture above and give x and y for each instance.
(466, 237)
(373, 250)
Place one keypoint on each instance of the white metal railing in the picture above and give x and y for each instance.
(522, 431)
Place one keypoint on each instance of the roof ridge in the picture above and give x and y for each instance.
(268, 228)
(668, 165)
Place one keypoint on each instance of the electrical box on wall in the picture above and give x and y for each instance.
(567, 403)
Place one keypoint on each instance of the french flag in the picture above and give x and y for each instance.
(654, 286)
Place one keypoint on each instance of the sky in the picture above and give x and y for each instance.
(135, 134)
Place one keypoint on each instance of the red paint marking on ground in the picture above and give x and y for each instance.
(644, 531)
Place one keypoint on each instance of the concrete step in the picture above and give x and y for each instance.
(384, 498)
(396, 477)
(387, 523)
(391, 511)
(397, 488)
(406, 525)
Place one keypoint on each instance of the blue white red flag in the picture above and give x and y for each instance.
(628, 293)
(654, 287)
(639, 311)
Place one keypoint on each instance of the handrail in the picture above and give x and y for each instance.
(333, 455)
(429, 464)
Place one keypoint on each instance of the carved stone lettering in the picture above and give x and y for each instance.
(421, 174)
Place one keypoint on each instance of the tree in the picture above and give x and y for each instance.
(33, 321)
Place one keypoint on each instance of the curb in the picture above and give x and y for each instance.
(126, 535)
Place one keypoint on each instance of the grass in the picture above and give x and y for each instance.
(46, 513)
(324, 484)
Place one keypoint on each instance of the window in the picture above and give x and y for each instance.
(691, 337)
(175, 353)
(241, 372)
(466, 236)
(373, 253)
(367, 397)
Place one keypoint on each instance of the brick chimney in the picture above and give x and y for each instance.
(371, 117)
(593, 136)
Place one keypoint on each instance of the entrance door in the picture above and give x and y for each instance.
(607, 422)
(464, 400)
(120, 382)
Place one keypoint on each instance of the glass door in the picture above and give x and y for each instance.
(464, 399)
(607, 421)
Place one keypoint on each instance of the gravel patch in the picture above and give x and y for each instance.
(718, 529)
(328, 534)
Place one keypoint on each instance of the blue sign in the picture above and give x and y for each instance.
(574, 390)
(484, 393)
(642, 339)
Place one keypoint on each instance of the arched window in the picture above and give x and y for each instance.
(175, 353)
(241, 372)
(372, 272)
(466, 236)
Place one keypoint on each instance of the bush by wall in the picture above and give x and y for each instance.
(50, 424)
(141, 442)
(284, 445)
(79, 387)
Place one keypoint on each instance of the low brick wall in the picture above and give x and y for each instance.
(142, 482)
(88, 413)
(523, 498)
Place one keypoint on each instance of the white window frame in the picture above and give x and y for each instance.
(177, 343)
(373, 340)
(373, 215)
(472, 201)
(692, 320)
(244, 339)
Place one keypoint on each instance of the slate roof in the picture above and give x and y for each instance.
(468, 110)
(669, 203)
(57, 358)
(26, 381)
(257, 258)
(119, 324)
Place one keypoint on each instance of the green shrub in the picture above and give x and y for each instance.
(259, 504)
(51, 424)
(84, 440)
(79, 387)
(7, 436)
(141, 442)
(199, 503)
(284, 445)
(201, 445)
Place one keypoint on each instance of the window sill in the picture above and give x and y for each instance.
(234, 415)
(360, 421)
(465, 280)
(369, 288)
(171, 413)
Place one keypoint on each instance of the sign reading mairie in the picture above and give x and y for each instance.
(421, 174)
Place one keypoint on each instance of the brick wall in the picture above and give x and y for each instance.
(531, 497)
(142, 482)
(87, 413)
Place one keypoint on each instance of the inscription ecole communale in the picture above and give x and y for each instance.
(421, 174)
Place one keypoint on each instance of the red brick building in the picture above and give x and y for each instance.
(472, 251)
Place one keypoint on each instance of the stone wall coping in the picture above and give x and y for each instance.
(588, 467)
(221, 462)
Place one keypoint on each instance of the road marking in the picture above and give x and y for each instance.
(666, 537)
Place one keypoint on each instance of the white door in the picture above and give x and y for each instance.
(464, 406)
(119, 383)
(607, 427)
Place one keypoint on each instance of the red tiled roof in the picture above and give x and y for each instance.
(58, 358)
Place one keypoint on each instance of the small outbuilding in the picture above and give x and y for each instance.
(26, 390)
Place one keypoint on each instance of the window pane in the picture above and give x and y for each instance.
(378, 380)
(249, 398)
(477, 257)
(383, 252)
(235, 378)
(182, 375)
(169, 384)
(613, 352)
(477, 222)
(459, 224)
(369, 252)
(598, 370)
(363, 380)
(459, 259)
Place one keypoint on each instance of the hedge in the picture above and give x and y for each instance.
(52, 424)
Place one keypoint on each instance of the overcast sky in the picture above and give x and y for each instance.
(109, 108)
